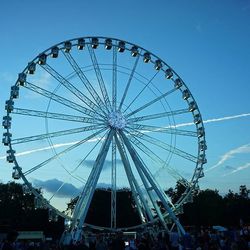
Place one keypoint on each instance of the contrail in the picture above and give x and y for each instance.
(230, 154)
(177, 126)
(240, 168)
(215, 120)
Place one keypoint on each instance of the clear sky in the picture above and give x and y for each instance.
(206, 42)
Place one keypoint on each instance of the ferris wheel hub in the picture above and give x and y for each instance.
(117, 120)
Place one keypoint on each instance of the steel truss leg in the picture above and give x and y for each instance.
(136, 191)
(86, 196)
(139, 165)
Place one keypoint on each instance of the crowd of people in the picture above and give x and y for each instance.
(203, 239)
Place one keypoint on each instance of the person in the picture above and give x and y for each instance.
(9, 243)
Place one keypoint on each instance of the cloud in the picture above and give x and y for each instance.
(240, 168)
(227, 167)
(230, 154)
(52, 185)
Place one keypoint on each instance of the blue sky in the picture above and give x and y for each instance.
(206, 42)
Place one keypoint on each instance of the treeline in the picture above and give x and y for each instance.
(208, 208)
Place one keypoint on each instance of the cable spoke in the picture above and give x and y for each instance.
(151, 102)
(99, 76)
(129, 82)
(157, 116)
(71, 87)
(168, 130)
(114, 79)
(59, 99)
(154, 157)
(85, 80)
(81, 163)
(137, 96)
(164, 146)
(53, 134)
(76, 144)
(37, 113)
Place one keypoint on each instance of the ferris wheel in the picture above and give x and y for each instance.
(97, 112)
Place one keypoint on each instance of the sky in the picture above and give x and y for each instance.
(205, 42)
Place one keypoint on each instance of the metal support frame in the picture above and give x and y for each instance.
(139, 164)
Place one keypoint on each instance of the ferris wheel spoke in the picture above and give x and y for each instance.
(165, 146)
(59, 116)
(153, 156)
(59, 99)
(129, 82)
(76, 144)
(54, 134)
(139, 164)
(159, 115)
(114, 79)
(135, 188)
(99, 76)
(168, 130)
(138, 95)
(90, 151)
(151, 102)
(72, 88)
(85, 81)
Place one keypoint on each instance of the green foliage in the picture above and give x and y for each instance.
(17, 211)
(209, 208)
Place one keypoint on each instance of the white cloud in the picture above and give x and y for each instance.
(230, 154)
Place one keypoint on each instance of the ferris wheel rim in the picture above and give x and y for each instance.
(60, 45)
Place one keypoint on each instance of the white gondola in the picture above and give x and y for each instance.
(185, 94)
(42, 59)
(14, 91)
(121, 46)
(22, 78)
(202, 159)
(31, 68)
(6, 138)
(178, 83)
(16, 174)
(203, 145)
(6, 122)
(169, 74)
(158, 64)
(201, 132)
(197, 119)
(80, 43)
(94, 42)
(54, 52)
(192, 106)
(67, 46)
(146, 57)
(9, 106)
(134, 51)
(108, 44)
(10, 155)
